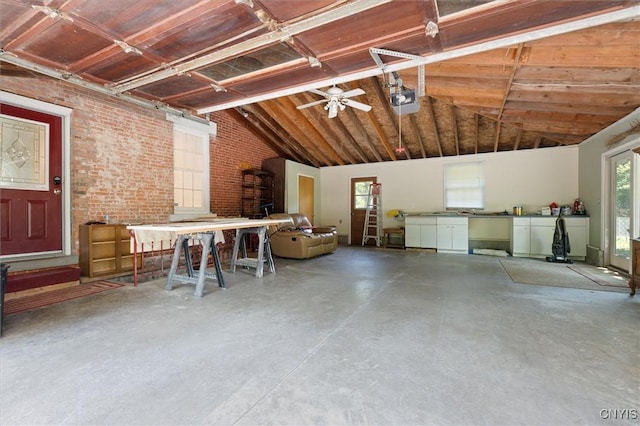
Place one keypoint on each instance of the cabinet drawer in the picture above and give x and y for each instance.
(453, 221)
(543, 221)
(576, 221)
(521, 221)
(419, 220)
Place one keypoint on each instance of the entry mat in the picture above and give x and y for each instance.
(541, 272)
(46, 298)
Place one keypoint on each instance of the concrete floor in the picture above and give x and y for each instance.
(361, 336)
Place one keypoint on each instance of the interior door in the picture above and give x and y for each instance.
(359, 195)
(622, 199)
(306, 200)
(30, 182)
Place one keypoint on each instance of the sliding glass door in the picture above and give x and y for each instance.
(621, 205)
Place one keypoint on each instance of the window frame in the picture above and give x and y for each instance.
(478, 202)
(203, 132)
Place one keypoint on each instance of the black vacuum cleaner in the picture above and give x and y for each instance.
(561, 246)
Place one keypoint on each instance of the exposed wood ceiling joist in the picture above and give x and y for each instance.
(499, 75)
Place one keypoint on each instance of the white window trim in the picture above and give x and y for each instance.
(203, 130)
(481, 186)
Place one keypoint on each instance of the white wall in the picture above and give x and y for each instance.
(530, 178)
(593, 153)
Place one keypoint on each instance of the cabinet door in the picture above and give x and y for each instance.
(428, 236)
(412, 235)
(541, 240)
(444, 237)
(577, 240)
(460, 237)
(521, 240)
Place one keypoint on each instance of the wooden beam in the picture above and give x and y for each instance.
(297, 151)
(363, 132)
(517, 59)
(498, 128)
(384, 101)
(477, 128)
(537, 142)
(281, 114)
(432, 114)
(266, 113)
(454, 125)
(416, 130)
(254, 125)
(356, 146)
(516, 144)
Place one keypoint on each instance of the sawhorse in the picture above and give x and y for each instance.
(208, 244)
(264, 251)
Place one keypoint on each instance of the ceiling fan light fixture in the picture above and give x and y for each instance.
(333, 109)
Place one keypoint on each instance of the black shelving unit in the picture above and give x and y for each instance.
(257, 193)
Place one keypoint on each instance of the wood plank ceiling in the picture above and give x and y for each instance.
(497, 75)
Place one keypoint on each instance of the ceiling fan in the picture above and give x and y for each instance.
(336, 98)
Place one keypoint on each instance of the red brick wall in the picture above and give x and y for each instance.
(122, 155)
(234, 147)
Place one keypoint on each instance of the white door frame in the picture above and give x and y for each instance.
(65, 114)
(607, 196)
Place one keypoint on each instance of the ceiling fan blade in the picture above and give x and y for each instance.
(311, 104)
(354, 92)
(320, 92)
(357, 105)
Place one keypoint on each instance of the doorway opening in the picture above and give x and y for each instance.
(359, 195)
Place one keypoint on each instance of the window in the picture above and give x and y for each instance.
(361, 194)
(464, 186)
(191, 166)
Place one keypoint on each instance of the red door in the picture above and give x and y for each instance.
(30, 192)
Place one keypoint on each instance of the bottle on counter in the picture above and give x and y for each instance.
(581, 209)
(576, 204)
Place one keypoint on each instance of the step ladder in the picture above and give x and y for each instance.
(373, 217)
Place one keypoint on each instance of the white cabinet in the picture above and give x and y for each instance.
(533, 237)
(521, 237)
(578, 230)
(542, 230)
(453, 234)
(420, 232)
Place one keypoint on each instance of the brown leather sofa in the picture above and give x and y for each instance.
(298, 239)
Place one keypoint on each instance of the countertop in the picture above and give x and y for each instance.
(466, 213)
